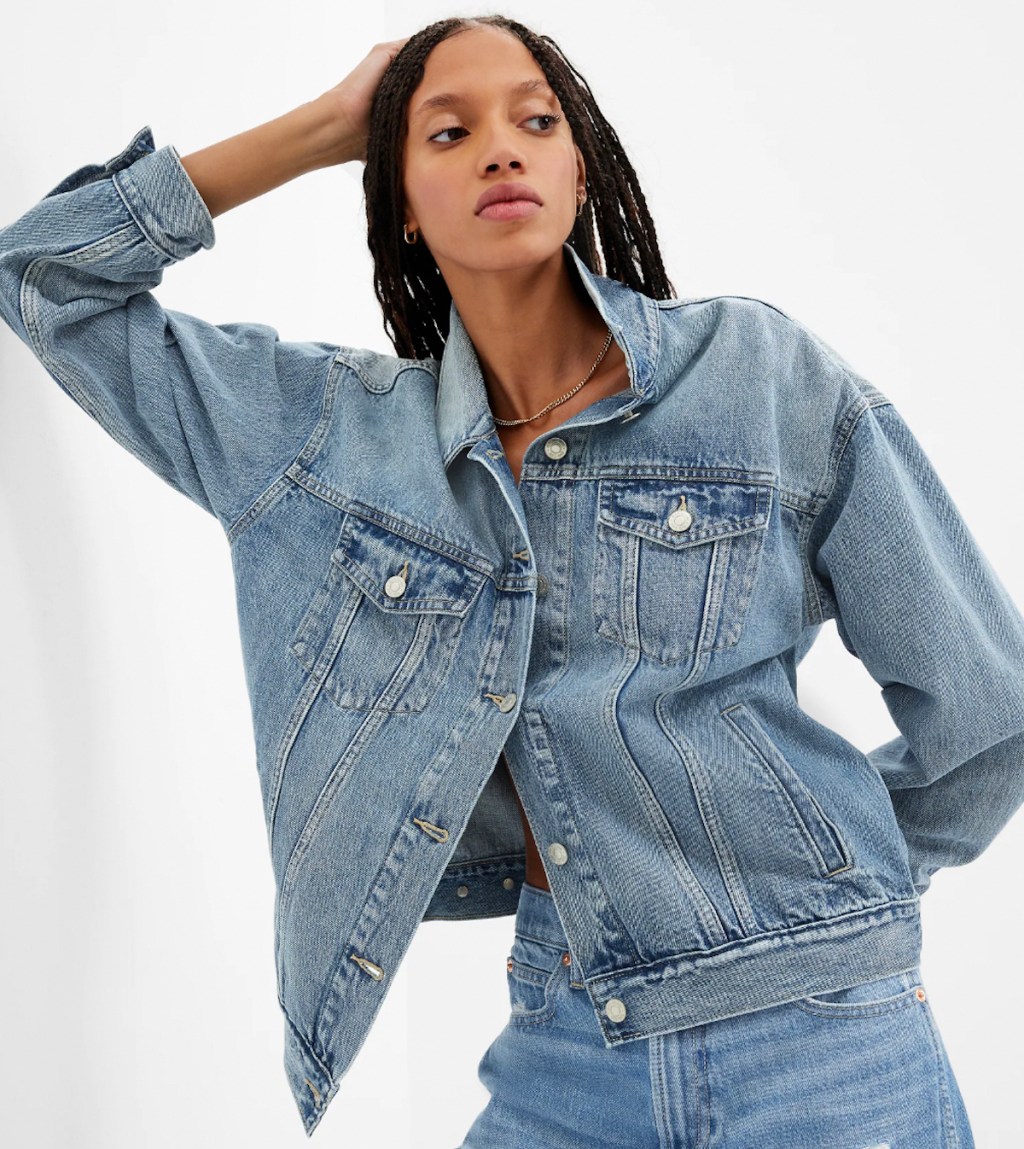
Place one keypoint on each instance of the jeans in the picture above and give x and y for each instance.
(860, 1068)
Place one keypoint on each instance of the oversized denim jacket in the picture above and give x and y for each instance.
(626, 624)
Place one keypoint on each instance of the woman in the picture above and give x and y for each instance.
(590, 528)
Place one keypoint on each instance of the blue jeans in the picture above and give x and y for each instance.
(861, 1068)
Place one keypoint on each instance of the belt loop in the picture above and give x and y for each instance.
(575, 973)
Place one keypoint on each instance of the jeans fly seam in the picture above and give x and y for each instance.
(952, 1137)
(659, 1092)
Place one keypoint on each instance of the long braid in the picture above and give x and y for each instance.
(410, 288)
(413, 295)
(616, 202)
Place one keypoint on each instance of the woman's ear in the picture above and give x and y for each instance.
(410, 217)
(581, 170)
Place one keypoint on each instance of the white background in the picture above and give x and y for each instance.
(857, 166)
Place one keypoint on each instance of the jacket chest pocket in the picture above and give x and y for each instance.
(381, 630)
(676, 562)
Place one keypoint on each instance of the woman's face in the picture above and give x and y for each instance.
(487, 133)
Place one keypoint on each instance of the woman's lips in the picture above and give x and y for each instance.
(509, 209)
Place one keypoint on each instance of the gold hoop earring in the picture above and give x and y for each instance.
(406, 233)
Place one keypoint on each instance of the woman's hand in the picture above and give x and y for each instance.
(349, 102)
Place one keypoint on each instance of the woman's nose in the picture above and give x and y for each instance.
(500, 149)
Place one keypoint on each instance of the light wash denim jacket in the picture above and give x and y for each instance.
(626, 623)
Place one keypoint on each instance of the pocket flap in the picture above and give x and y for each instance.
(683, 512)
(403, 574)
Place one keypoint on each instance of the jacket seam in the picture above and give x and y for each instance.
(92, 404)
(470, 867)
(848, 424)
(672, 304)
(279, 482)
(311, 1051)
(108, 244)
(896, 909)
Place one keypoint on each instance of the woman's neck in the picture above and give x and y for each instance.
(536, 334)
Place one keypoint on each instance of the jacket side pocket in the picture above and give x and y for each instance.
(829, 848)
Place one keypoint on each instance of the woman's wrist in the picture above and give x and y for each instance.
(328, 133)
(313, 135)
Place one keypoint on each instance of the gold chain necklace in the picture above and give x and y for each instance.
(567, 395)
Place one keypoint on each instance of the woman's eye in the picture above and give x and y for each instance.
(442, 132)
(553, 119)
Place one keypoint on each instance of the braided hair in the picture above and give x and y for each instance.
(412, 292)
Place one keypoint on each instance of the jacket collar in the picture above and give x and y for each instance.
(462, 409)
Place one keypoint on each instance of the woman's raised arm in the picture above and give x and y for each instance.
(217, 410)
(331, 129)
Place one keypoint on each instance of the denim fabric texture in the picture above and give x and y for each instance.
(861, 1068)
(626, 623)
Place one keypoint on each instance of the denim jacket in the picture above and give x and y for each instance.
(625, 623)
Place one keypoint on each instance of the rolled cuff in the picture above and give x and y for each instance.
(163, 200)
(158, 193)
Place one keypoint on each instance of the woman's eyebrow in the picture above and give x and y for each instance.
(450, 99)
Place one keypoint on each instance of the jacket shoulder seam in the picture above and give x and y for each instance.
(671, 304)
(280, 482)
(847, 425)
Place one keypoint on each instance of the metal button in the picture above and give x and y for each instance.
(567, 958)
(542, 584)
(558, 853)
(555, 448)
(507, 703)
(615, 1009)
(395, 586)
(509, 883)
(680, 518)
(463, 891)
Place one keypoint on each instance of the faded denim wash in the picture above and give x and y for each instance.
(626, 623)
(861, 1068)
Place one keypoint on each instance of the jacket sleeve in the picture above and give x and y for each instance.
(218, 411)
(917, 601)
